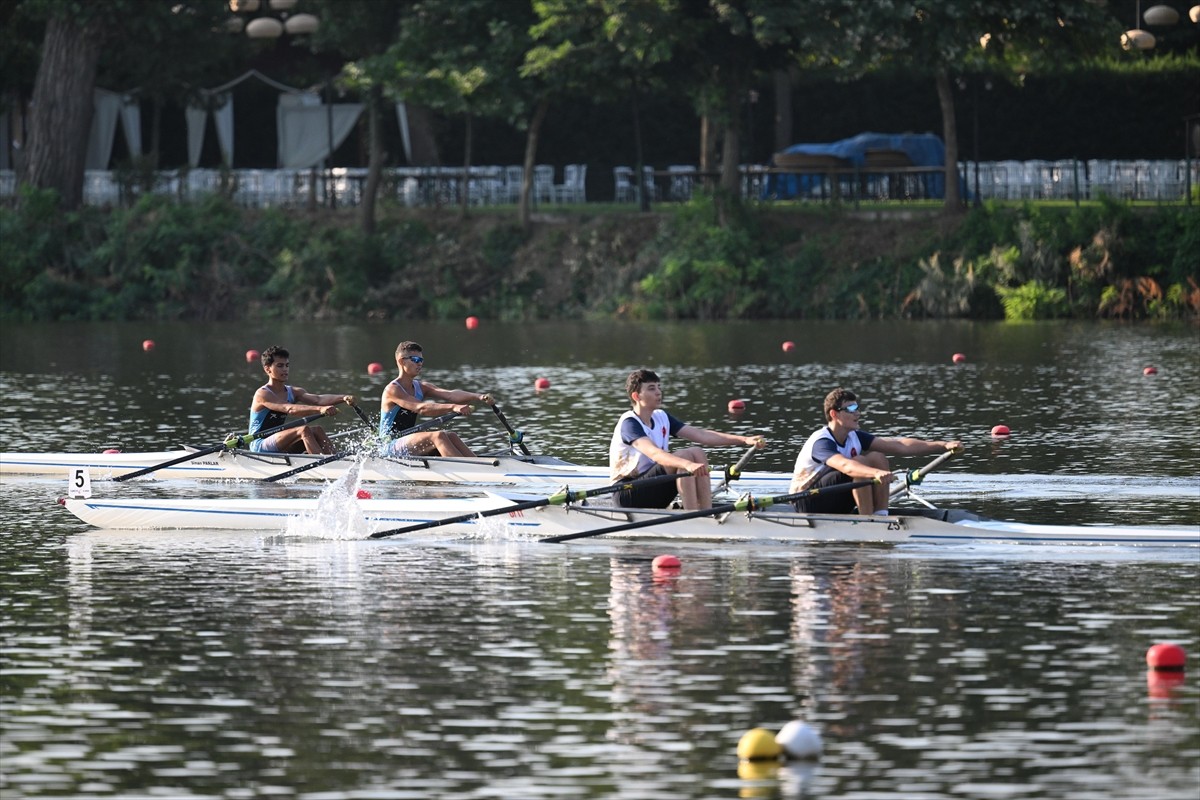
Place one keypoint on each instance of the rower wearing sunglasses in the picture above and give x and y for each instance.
(408, 397)
(840, 453)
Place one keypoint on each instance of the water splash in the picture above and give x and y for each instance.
(338, 514)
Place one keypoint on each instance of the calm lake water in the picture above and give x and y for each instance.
(226, 665)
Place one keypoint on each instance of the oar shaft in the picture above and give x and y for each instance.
(234, 441)
(558, 499)
(917, 475)
(735, 472)
(746, 504)
(512, 433)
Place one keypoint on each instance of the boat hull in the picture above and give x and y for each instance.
(769, 525)
(246, 465)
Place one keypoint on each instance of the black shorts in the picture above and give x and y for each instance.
(835, 503)
(659, 495)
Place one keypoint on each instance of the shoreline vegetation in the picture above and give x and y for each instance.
(211, 260)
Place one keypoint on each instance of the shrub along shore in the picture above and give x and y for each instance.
(211, 260)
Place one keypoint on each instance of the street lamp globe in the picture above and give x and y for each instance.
(264, 28)
(1161, 15)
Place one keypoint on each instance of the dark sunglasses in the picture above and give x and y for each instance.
(414, 359)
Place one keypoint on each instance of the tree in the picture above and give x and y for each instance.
(943, 41)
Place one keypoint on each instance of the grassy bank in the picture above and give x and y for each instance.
(213, 261)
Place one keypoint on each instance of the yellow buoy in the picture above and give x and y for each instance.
(758, 744)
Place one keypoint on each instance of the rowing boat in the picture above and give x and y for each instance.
(767, 525)
(238, 464)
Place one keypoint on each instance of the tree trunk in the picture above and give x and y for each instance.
(531, 146)
(783, 110)
(464, 185)
(374, 163)
(424, 142)
(60, 119)
(945, 92)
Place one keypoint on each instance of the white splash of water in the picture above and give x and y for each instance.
(337, 515)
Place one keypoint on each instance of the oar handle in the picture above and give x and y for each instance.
(914, 476)
(557, 499)
(735, 472)
(747, 503)
(514, 436)
(230, 443)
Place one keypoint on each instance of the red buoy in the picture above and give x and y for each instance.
(736, 405)
(665, 561)
(374, 368)
(363, 494)
(148, 345)
(251, 356)
(1150, 371)
(472, 323)
(789, 347)
(541, 383)
(1000, 430)
(110, 451)
(959, 358)
(1165, 656)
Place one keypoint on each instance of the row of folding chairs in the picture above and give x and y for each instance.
(1141, 179)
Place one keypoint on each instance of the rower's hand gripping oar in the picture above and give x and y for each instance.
(514, 436)
(747, 503)
(913, 477)
(241, 440)
(424, 426)
(558, 499)
(735, 472)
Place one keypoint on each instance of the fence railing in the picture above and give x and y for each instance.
(1154, 180)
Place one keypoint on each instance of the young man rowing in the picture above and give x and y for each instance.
(639, 449)
(275, 401)
(408, 398)
(840, 453)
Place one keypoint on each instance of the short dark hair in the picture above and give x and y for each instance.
(273, 352)
(408, 347)
(637, 379)
(838, 398)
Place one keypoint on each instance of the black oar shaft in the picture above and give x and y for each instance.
(234, 441)
(512, 433)
(735, 472)
(558, 499)
(745, 504)
(917, 475)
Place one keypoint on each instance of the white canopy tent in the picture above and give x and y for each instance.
(109, 108)
(307, 129)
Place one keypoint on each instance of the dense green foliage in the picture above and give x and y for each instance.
(211, 260)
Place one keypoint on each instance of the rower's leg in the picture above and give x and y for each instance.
(873, 498)
(696, 492)
(450, 444)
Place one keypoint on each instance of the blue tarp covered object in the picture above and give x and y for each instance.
(923, 149)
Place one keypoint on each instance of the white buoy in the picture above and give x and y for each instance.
(799, 740)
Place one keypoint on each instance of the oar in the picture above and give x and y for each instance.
(915, 476)
(743, 504)
(735, 472)
(233, 441)
(432, 423)
(561, 498)
(363, 416)
(515, 437)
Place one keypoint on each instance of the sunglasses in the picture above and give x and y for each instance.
(852, 408)
(414, 359)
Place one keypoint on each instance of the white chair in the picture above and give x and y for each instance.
(623, 184)
(1101, 178)
(571, 190)
(543, 183)
(514, 176)
(680, 182)
(648, 184)
(1166, 180)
